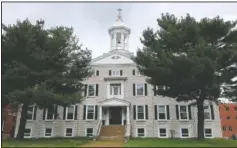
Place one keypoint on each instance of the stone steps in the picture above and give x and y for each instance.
(111, 132)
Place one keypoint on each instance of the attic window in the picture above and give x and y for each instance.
(115, 57)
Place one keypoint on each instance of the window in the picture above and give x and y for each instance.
(138, 73)
(230, 128)
(207, 114)
(183, 110)
(118, 37)
(27, 133)
(162, 133)
(140, 132)
(115, 89)
(70, 112)
(50, 113)
(48, 132)
(90, 112)
(227, 108)
(208, 132)
(140, 112)
(89, 132)
(91, 90)
(161, 112)
(228, 117)
(224, 128)
(68, 132)
(30, 113)
(184, 132)
(115, 72)
(140, 89)
(236, 117)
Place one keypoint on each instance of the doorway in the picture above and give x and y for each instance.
(115, 116)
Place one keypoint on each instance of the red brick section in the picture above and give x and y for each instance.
(8, 121)
(228, 115)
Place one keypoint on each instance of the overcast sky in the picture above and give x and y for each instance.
(92, 20)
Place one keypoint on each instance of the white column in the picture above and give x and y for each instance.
(100, 112)
(128, 115)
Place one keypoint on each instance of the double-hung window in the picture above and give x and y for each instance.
(30, 113)
(90, 112)
(140, 89)
(207, 112)
(163, 133)
(208, 133)
(184, 132)
(140, 112)
(50, 113)
(115, 72)
(68, 132)
(70, 112)
(89, 132)
(183, 110)
(91, 90)
(27, 133)
(48, 132)
(162, 115)
(115, 89)
(140, 132)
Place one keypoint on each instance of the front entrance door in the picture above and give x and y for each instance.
(115, 115)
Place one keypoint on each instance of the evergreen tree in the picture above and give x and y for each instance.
(42, 66)
(186, 57)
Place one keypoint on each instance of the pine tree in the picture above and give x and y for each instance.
(187, 57)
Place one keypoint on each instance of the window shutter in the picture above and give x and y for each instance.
(96, 112)
(55, 112)
(44, 111)
(110, 72)
(133, 72)
(146, 111)
(134, 91)
(97, 72)
(177, 112)
(145, 89)
(75, 114)
(134, 112)
(97, 89)
(154, 89)
(189, 112)
(85, 92)
(35, 111)
(155, 107)
(64, 112)
(168, 112)
(121, 72)
(84, 112)
(212, 112)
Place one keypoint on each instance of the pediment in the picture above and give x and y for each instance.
(114, 102)
(113, 58)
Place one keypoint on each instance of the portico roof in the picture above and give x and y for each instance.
(114, 102)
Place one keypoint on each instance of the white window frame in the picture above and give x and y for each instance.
(3, 123)
(144, 113)
(158, 117)
(230, 127)
(46, 115)
(74, 107)
(208, 134)
(138, 133)
(30, 132)
(65, 134)
(137, 73)
(87, 112)
(94, 85)
(209, 111)
(186, 112)
(33, 112)
(115, 72)
(166, 130)
(110, 87)
(47, 133)
(181, 134)
(92, 132)
(143, 85)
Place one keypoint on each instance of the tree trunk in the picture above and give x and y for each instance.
(21, 130)
(200, 124)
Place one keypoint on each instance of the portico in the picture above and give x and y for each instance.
(114, 111)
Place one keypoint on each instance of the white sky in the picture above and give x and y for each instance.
(92, 20)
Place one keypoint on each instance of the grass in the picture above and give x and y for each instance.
(152, 142)
(55, 142)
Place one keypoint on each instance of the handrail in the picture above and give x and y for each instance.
(99, 125)
(127, 133)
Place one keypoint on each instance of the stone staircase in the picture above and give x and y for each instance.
(112, 132)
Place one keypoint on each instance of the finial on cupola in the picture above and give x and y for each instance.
(119, 18)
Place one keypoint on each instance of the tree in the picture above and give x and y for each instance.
(186, 57)
(42, 66)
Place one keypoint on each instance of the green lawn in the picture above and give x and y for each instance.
(57, 142)
(152, 142)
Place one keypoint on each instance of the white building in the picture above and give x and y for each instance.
(118, 95)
